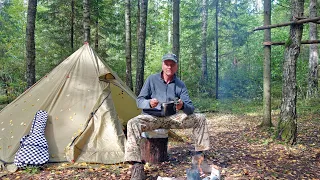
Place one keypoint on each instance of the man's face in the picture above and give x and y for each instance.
(169, 67)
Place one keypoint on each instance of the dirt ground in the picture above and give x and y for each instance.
(242, 150)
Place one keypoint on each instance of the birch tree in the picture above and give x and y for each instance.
(287, 127)
(313, 53)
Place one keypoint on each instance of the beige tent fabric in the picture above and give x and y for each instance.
(70, 93)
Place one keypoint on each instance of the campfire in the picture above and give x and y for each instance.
(200, 169)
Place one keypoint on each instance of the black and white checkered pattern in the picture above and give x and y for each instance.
(33, 149)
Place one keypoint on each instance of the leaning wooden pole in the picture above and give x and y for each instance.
(283, 43)
(315, 19)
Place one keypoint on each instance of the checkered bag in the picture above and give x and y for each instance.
(33, 149)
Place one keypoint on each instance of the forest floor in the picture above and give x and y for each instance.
(242, 150)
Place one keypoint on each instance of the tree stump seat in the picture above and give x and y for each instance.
(154, 146)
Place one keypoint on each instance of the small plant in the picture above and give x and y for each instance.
(267, 141)
(32, 170)
(3, 99)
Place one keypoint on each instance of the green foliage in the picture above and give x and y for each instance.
(31, 170)
(236, 106)
(251, 106)
(205, 104)
(240, 50)
(241, 106)
(3, 99)
(240, 82)
(309, 106)
(12, 32)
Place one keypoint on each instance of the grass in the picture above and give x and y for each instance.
(309, 106)
(236, 106)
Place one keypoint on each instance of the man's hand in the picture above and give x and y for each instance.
(180, 105)
(153, 103)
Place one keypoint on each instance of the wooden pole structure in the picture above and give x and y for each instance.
(267, 68)
(283, 43)
(288, 23)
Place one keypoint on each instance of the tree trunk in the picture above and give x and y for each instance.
(217, 50)
(169, 23)
(96, 37)
(204, 41)
(141, 45)
(287, 127)
(267, 68)
(30, 43)
(72, 26)
(154, 150)
(313, 54)
(138, 27)
(176, 29)
(128, 44)
(86, 20)
(137, 34)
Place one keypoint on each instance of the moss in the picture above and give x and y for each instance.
(288, 42)
(286, 131)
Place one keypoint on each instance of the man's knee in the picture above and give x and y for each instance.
(201, 117)
(133, 121)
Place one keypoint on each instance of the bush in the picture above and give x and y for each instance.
(238, 106)
(3, 99)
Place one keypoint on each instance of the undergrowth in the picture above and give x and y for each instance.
(252, 106)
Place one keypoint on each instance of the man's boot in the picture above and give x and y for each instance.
(137, 172)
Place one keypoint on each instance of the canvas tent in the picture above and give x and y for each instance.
(88, 105)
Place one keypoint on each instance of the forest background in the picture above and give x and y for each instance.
(59, 32)
(240, 49)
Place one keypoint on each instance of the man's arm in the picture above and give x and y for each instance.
(143, 100)
(188, 107)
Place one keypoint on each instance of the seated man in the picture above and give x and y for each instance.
(161, 88)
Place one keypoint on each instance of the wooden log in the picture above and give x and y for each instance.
(154, 150)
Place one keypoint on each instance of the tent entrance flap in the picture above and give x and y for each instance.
(75, 148)
(104, 129)
(77, 144)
